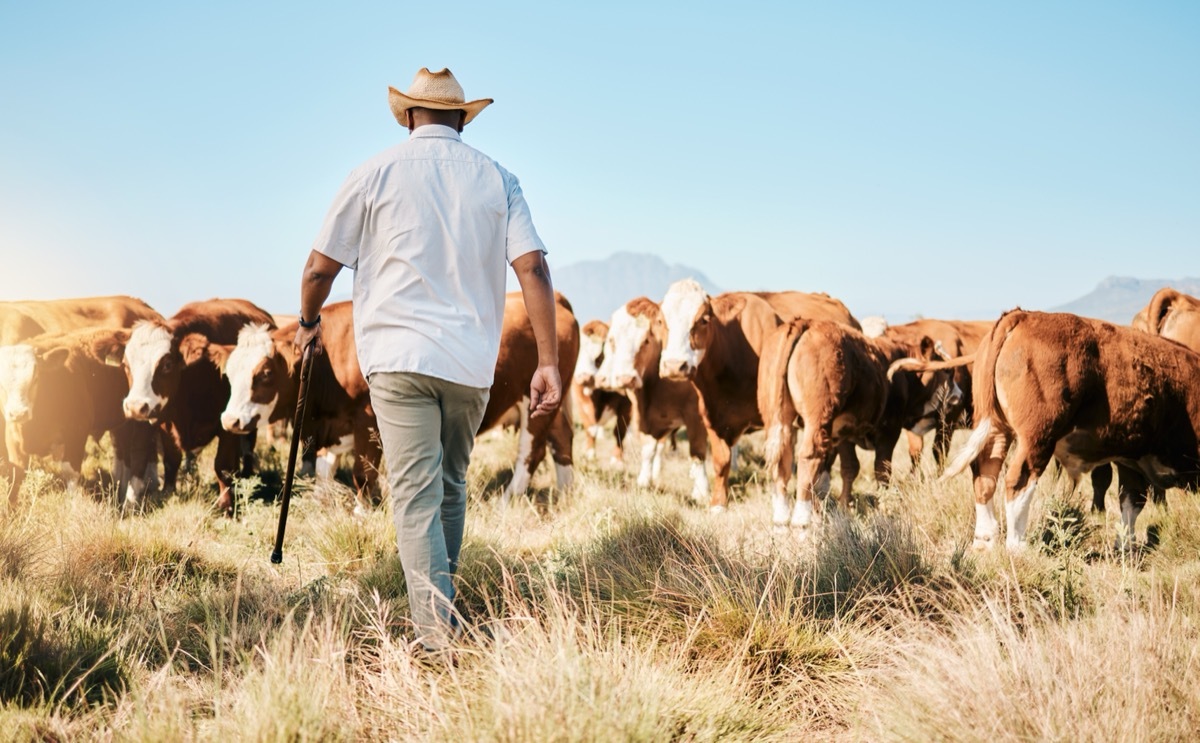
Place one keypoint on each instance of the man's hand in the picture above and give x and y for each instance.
(545, 391)
(304, 336)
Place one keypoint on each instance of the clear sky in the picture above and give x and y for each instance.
(944, 158)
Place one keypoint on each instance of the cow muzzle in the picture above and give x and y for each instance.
(676, 369)
(17, 413)
(585, 380)
(141, 410)
(235, 424)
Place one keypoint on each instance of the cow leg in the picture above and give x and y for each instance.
(780, 451)
(651, 453)
(916, 445)
(172, 456)
(1028, 465)
(226, 464)
(986, 471)
(721, 461)
(1132, 488)
(812, 460)
(560, 437)
(850, 470)
(249, 464)
(1102, 477)
(367, 457)
(620, 430)
(524, 466)
(885, 446)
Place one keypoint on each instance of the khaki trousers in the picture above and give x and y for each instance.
(427, 428)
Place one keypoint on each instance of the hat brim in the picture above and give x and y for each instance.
(401, 103)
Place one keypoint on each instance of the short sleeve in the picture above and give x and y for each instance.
(521, 237)
(341, 235)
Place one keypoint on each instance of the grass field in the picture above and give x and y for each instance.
(606, 613)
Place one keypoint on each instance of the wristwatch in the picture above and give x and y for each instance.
(308, 325)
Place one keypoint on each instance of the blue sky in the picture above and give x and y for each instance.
(941, 158)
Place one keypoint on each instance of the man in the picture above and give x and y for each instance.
(427, 226)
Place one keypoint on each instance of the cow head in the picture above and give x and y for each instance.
(591, 353)
(933, 393)
(256, 371)
(633, 347)
(21, 367)
(688, 314)
(153, 366)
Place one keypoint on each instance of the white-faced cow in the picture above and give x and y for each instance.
(1087, 393)
(62, 388)
(715, 343)
(631, 365)
(175, 380)
(835, 382)
(593, 405)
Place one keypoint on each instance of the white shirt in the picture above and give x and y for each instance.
(427, 226)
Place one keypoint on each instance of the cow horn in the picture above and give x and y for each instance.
(940, 350)
(921, 365)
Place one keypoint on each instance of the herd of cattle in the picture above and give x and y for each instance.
(1082, 391)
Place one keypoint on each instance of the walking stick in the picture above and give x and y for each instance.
(297, 434)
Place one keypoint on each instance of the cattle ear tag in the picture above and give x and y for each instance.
(112, 360)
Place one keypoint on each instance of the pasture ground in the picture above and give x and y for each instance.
(606, 613)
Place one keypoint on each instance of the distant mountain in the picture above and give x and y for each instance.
(597, 288)
(1118, 298)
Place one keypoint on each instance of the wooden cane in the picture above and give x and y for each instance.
(297, 435)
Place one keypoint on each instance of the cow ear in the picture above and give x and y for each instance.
(55, 357)
(219, 355)
(726, 305)
(111, 348)
(193, 348)
(928, 348)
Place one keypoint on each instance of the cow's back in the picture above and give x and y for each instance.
(810, 306)
(21, 320)
(219, 320)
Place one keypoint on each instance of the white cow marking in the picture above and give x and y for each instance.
(626, 334)
(987, 529)
(680, 307)
(17, 366)
(521, 476)
(699, 480)
(254, 346)
(148, 344)
(590, 349)
(1018, 517)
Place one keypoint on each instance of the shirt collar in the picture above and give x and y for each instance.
(434, 130)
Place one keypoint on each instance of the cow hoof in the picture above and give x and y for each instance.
(802, 532)
(781, 527)
(716, 509)
(982, 543)
(1015, 546)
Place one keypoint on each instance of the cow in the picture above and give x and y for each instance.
(62, 388)
(951, 338)
(715, 343)
(263, 371)
(631, 366)
(837, 384)
(594, 406)
(1086, 392)
(1172, 315)
(175, 378)
(26, 319)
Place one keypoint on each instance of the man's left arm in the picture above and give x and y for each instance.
(545, 389)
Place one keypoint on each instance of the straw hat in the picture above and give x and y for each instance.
(437, 90)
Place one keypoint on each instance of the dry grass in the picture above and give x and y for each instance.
(608, 613)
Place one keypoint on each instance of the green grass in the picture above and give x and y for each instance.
(606, 613)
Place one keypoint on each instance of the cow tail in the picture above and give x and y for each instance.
(987, 407)
(1160, 306)
(773, 393)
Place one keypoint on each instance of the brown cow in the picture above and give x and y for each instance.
(836, 382)
(61, 389)
(593, 405)
(715, 342)
(21, 320)
(264, 370)
(631, 364)
(1085, 392)
(952, 338)
(175, 380)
